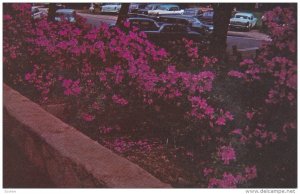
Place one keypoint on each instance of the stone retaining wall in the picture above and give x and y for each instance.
(67, 156)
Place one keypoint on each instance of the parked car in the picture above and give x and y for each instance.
(65, 14)
(207, 17)
(243, 20)
(194, 23)
(111, 8)
(166, 9)
(135, 7)
(36, 13)
(173, 32)
(196, 12)
(144, 24)
(148, 8)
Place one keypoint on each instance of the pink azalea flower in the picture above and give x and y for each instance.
(209, 111)
(221, 121)
(207, 171)
(250, 115)
(67, 83)
(68, 92)
(27, 76)
(88, 117)
(250, 172)
(228, 181)
(226, 153)
(236, 74)
(119, 100)
(213, 182)
(228, 115)
(7, 17)
(237, 131)
(106, 130)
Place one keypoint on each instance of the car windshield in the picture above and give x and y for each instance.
(208, 14)
(162, 8)
(151, 6)
(190, 12)
(144, 25)
(167, 7)
(173, 28)
(241, 16)
(35, 10)
(111, 4)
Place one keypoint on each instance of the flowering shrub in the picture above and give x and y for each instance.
(272, 78)
(275, 70)
(118, 81)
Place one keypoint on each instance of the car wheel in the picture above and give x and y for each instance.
(248, 28)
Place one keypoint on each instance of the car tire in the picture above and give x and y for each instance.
(248, 28)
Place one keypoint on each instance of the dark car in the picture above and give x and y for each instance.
(36, 13)
(196, 12)
(135, 7)
(207, 17)
(65, 14)
(193, 22)
(171, 32)
(144, 24)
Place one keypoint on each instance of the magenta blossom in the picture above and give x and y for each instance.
(250, 172)
(119, 100)
(87, 117)
(236, 74)
(221, 121)
(226, 153)
(207, 171)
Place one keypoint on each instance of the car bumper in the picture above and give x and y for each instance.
(110, 10)
(238, 26)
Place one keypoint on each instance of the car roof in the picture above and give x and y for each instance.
(65, 10)
(244, 13)
(168, 5)
(182, 17)
(38, 6)
(192, 8)
(111, 4)
(148, 19)
(178, 16)
(153, 4)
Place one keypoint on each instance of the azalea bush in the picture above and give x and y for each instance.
(271, 81)
(116, 81)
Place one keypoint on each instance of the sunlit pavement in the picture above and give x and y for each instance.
(255, 34)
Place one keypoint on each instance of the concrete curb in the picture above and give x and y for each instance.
(70, 158)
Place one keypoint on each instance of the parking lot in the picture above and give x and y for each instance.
(244, 27)
(244, 41)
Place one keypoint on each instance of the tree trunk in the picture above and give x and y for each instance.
(51, 12)
(221, 19)
(123, 14)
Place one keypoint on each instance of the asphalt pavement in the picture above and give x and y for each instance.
(96, 20)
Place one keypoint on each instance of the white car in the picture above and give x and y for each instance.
(65, 14)
(243, 20)
(37, 13)
(166, 9)
(111, 8)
